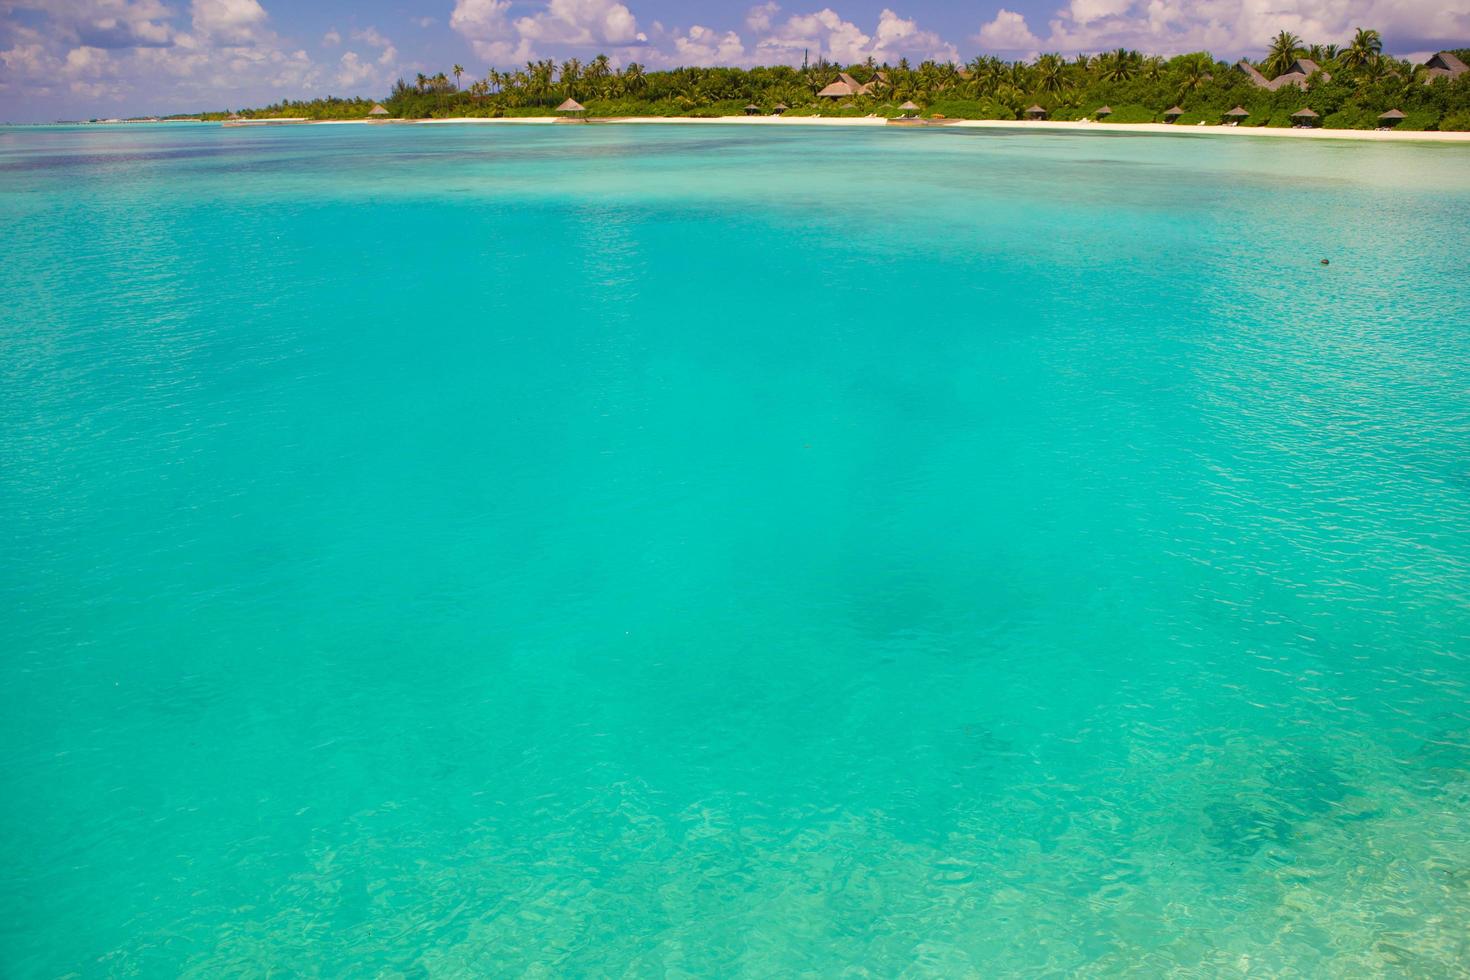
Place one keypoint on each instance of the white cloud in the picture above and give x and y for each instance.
(706, 46)
(101, 23)
(387, 54)
(601, 24)
(142, 56)
(826, 34)
(1007, 32)
(897, 37)
(331, 39)
(229, 22)
(582, 23)
(485, 25)
(352, 71)
(759, 19)
(1229, 28)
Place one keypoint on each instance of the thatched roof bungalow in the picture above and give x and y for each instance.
(847, 86)
(1296, 74)
(1444, 64)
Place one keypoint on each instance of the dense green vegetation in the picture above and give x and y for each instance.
(1354, 85)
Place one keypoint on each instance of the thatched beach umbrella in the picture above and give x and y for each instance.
(1172, 113)
(1238, 113)
(571, 105)
(908, 109)
(1103, 112)
(752, 110)
(1304, 117)
(1036, 112)
(780, 108)
(1390, 118)
(377, 111)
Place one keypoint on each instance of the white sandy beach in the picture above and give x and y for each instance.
(1386, 136)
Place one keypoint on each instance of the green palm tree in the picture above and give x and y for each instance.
(633, 78)
(1285, 48)
(1366, 45)
(1051, 74)
(1194, 74)
(458, 70)
(1119, 65)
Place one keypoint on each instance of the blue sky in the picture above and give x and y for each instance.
(86, 58)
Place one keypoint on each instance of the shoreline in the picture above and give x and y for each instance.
(1371, 135)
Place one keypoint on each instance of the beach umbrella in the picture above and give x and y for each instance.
(752, 109)
(1391, 116)
(1036, 112)
(781, 107)
(908, 109)
(571, 105)
(1172, 113)
(1106, 110)
(1303, 117)
(377, 110)
(1239, 112)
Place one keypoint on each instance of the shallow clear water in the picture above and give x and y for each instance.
(715, 551)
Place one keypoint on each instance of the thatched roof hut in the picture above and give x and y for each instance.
(1304, 117)
(837, 90)
(1172, 113)
(1036, 112)
(234, 117)
(1103, 111)
(377, 110)
(571, 105)
(1239, 112)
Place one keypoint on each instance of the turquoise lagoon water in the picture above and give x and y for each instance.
(705, 551)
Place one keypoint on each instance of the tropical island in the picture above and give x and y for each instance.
(1356, 86)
